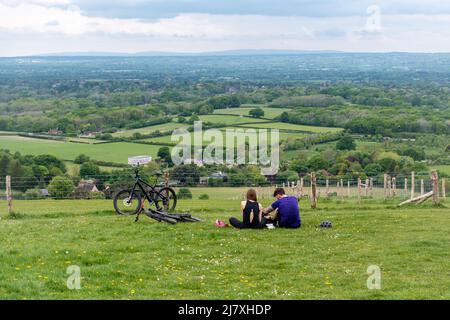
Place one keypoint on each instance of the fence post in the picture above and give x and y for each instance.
(422, 187)
(413, 183)
(301, 187)
(371, 187)
(313, 191)
(390, 186)
(9, 194)
(394, 186)
(406, 186)
(435, 180)
(367, 187)
(327, 187)
(443, 188)
(166, 179)
(359, 189)
(385, 186)
(348, 188)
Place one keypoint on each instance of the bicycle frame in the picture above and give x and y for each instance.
(141, 183)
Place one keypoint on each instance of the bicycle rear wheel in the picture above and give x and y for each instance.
(166, 200)
(127, 204)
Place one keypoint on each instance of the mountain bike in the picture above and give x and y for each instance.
(131, 201)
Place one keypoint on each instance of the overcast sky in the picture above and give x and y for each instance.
(47, 26)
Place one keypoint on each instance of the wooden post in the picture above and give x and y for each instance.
(348, 188)
(359, 189)
(385, 186)
(390, 186)
(9, 194)
(422, 187)
(327, 188)
(413, 183)
(443, 188)
(435, 180)
(313, 191)
(166, 179)
(367, 187)
(371, 187)
(394, 186)
(406, 186)
(301, 187)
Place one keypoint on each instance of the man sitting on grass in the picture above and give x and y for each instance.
(286, 213)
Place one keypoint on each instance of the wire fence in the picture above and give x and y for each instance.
(105, 186)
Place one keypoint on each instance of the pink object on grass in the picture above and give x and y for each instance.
(221, 224)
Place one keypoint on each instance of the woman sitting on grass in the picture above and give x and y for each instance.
(251, 213)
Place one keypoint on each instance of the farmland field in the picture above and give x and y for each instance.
(147, 130)
(269, 113)
(120, 259)
(229, 120)
(167, 139)
(117, 152)
(294, 127)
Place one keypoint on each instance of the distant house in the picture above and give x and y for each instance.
(219, 175)
(90, 134)
(55, 132)
(85, 189)
(44, 193)
(87, 186)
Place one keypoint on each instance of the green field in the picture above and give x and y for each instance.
(165, 127)
(229, 120)
(120, 259)
(442, 169)
(117, 152)
(269, 113)
(294, 127)
(167, 139)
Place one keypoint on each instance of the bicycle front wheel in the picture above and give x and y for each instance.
(126, 203)
(166, 199)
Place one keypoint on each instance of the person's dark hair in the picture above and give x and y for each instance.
(251, 195)
(279, 191)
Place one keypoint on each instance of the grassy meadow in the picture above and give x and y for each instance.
(117, 152)
(120, 259)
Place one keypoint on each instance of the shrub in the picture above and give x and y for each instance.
(60, 187)
(203, 196)
(97, 195)
(33, 194)
(82, 158)
(184, 193)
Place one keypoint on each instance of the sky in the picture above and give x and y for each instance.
(29, 27)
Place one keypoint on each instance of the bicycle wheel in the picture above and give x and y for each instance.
(127, 204)
(166, 199)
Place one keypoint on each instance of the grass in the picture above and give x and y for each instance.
(229, 120)
(269, 113)
(442, 169)
(120, 259)
(295, 127)
(147, 130)
(167, 139)
(117, 152)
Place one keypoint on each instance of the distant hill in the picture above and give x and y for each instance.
(187, 54)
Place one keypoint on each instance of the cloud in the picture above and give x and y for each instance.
(37, 26)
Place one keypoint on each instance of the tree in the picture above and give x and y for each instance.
(89, 170)
(346, 143)
(187, 174)
(165, 155)
(256, 113)
(50, 161)
(60, 187)
(82, 158)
